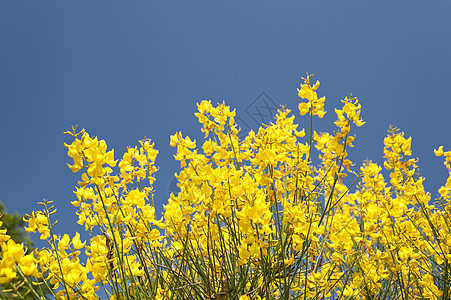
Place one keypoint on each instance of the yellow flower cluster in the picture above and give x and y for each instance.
(315, 106)
(13, 260)
(254, 219)
(445, 191)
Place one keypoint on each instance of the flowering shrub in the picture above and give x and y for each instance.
(254, 219)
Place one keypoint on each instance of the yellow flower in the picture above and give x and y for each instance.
(439, 152)
(76, 242)
(12, 253)
(63, 244)
(28, 265)
(7, 274)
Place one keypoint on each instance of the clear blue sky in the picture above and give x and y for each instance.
(129, 69)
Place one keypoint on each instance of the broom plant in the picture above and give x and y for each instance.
(276, 215)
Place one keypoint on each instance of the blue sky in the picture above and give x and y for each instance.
(129, 69)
